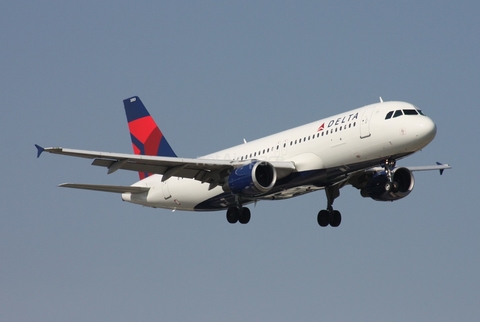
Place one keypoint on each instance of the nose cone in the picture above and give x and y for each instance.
(426, 130)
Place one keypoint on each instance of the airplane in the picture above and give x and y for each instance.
(358, 148)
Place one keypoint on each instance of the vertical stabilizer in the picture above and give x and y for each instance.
(147, 139)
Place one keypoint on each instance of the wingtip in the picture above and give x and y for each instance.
(443, 169)
(39, 150)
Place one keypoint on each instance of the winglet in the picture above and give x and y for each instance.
(441, 170)
(39, 150)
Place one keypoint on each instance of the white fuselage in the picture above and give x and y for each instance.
(357, 139)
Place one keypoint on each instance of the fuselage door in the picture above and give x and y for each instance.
(365, 124)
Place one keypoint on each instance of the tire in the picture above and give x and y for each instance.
(336, 219)
(244, 216)
(388, 187)
(323, 218)
(232, 215)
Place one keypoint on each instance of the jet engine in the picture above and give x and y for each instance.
(378, 187)
(252, 179)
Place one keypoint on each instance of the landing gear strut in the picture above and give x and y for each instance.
(329, 216)
(390, 186)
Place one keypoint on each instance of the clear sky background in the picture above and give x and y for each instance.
(213, 73)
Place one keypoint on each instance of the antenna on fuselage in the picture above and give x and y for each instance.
(381, 99)
(244, 141)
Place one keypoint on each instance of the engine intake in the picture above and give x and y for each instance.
(376, 190)
(252, 179)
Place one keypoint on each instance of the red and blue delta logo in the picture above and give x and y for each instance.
(339, 121)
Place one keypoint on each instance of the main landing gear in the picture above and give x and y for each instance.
(240, 214)
(329, 216)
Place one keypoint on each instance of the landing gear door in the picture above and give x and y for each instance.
(365, 124)
(166, 191)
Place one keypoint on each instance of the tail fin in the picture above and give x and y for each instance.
(147, 139)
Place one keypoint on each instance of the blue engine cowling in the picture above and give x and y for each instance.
(375, 187)
(252, 179)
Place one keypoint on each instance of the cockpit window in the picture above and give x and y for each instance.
(420, 112)
(398, 113)
(389, 115)
(410, 112)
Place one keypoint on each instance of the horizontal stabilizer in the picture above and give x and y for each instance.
(105, 188)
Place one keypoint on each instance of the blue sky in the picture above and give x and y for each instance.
(213, 73)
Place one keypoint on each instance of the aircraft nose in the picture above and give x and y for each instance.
(426, 130)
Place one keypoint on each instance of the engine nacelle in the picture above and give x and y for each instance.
(252, 179)
(375, 187)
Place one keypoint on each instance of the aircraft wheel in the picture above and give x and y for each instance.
(244, 216)
(232, 215)
(391, 187)
(323, 218)
(336, 219)
(388, 186)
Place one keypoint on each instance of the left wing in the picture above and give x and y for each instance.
(205, 170)
(105, 188)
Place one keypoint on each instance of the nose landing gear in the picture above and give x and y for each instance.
(390, 186)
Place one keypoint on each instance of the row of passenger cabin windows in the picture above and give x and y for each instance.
(324, 133)
(298, 141)
(397, 113)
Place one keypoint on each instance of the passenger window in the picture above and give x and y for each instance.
(398, 113)
(389, 115)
